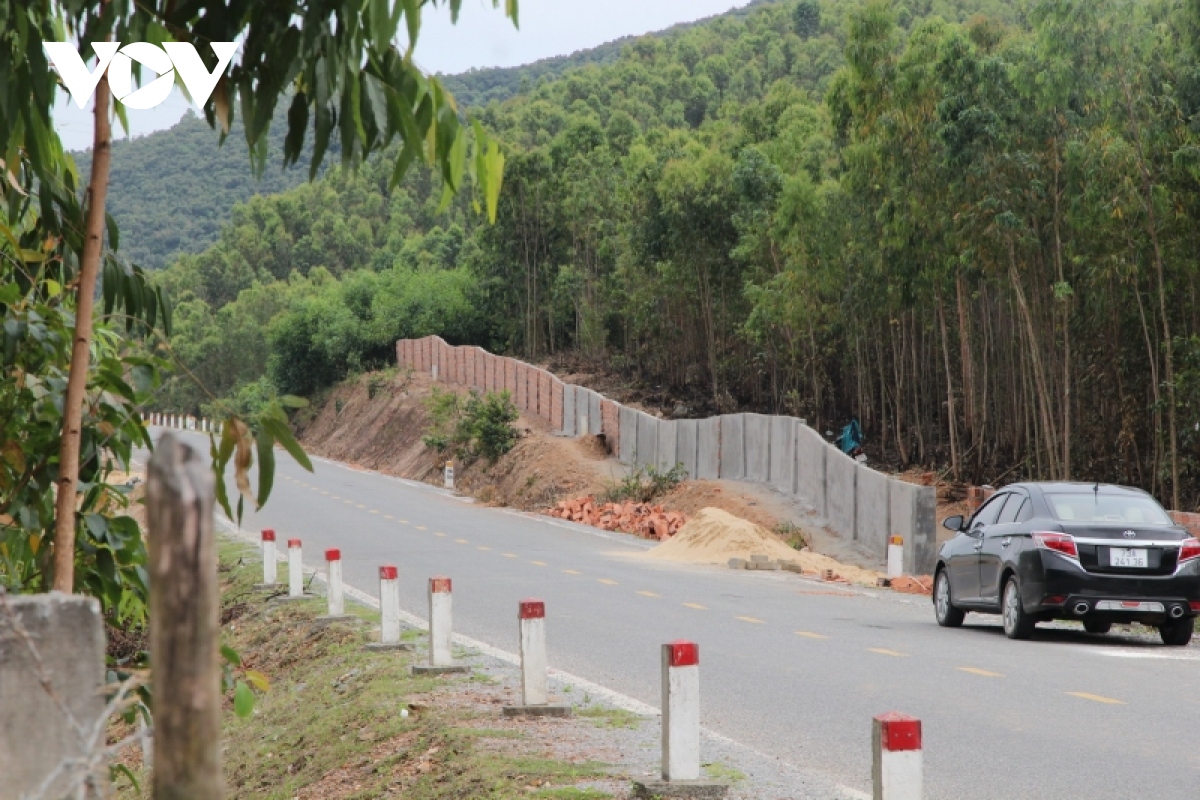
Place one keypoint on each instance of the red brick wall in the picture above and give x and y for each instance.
(1188, 520)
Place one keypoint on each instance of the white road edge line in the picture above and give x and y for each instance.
(614, 698)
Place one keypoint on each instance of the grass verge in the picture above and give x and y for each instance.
(339, 722)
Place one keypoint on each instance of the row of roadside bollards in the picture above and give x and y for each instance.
(182, 422)
(896, 738)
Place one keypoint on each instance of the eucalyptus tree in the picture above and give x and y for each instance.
(340, 70)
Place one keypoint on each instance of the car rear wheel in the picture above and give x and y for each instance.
(1097, 626)
(943, 608)
(1017, 623)
(1176, 632)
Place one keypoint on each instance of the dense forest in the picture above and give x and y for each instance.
(971, 224)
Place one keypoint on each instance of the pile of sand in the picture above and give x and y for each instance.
(714, 536)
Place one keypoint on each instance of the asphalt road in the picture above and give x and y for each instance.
(791, 667)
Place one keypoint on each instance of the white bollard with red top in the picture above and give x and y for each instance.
(441, 656)
(295, 573)
(295, 569)
(389, 611)
(680, 728)
(896, 762)
(268, 559)
(534, 665)
(336, 594)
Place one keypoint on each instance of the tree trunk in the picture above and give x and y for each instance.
(93, 249)
(951, 417)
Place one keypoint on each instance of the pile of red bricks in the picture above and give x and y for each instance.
(922, 584)
(640, 519)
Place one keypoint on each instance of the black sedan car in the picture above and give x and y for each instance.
(1100, 554)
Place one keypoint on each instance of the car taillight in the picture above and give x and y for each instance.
(1195, 604)
(1058, 542)
(1189, 549)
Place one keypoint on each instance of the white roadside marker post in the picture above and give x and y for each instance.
(441, 657)
(389, 612)
(336, 594)
(896, 757)
(448, 475)
(268, 559)
(295, 569)
(295, 573)
(531, 615)
(895, 557)
(680, 729)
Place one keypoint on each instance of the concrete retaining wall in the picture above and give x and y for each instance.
(854, 500)
(646, 451)
(912, 515)
(783, 453)
(708, 452)
(841, 486)
(810, 467)
(871, 509)
(758, 448)
(668, 440)
(732, 457)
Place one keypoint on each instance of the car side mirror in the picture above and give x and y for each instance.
(954, 523)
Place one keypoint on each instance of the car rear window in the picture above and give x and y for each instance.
(1093, 507)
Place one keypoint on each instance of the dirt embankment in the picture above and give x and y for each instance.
(377, 421)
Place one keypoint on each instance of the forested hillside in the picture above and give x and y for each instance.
(972, 225)
(172, 190)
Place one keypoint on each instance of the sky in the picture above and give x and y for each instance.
(482, 38)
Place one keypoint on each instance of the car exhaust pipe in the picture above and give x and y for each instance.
(1176, 612)
(1081, 608)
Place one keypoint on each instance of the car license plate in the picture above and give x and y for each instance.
(1127, 557)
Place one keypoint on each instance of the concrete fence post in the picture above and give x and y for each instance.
(336, 592)
(896, 757)
(441, 656)
(389, 611)
(184, 623)
(531, 615)
(680, 728)
(268, 559)
(51, 688)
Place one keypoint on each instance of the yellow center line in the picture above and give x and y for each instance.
(510, 555)
(1097, 698)
(403, 522)
(539, 563)
(462, 541)
(751, 619)
(437, 533)
(422, 528)
(696, 606)
(373, 511)
(359, 505)
(324, 492)
(572, 572)
(644, 593)
(811, 635)
(335, 497)
(388, 516)
(884, 652)
(483, 547)
(348, 502)
(606, 582)
(977, 671)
